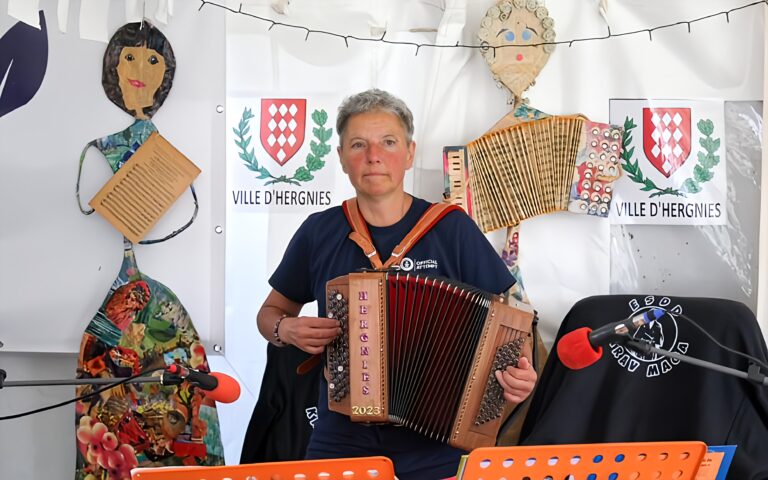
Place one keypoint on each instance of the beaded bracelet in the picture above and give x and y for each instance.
(277, 341)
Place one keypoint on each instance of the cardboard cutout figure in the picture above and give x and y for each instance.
(529, 163)
(141, 324)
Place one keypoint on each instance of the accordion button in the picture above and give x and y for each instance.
(594, 143)
(592, 155)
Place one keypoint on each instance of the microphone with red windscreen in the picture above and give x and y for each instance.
(218, 386)
(583, 347)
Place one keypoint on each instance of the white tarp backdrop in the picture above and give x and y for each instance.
(564, 257)
(56, 265)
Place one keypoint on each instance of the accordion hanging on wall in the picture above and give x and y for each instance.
(557, 163)
(421, 352)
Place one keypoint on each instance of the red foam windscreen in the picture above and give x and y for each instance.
(575, 351)
(227, 391)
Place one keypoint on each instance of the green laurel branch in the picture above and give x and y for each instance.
(706, 162)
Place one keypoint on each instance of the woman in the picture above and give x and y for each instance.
(376, 149)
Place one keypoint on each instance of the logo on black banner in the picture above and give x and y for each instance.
(662, 333)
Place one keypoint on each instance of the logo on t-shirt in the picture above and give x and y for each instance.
(409, 265)
(406, 264)
(662, 333)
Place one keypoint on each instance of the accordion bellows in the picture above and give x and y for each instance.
(421, 352)
(558, 163)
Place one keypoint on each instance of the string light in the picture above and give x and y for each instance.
(418, 46)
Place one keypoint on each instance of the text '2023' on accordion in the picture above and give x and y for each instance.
(421, 352)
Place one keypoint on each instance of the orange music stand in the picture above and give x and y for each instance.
(363, 468)
(597, 461)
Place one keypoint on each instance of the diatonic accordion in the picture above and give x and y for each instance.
(558, 163)
(421, 351)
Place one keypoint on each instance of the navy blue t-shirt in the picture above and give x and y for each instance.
(320, 251)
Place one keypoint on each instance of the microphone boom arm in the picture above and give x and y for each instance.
(752, 374)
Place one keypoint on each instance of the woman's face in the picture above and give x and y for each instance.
(140, 72)
(375, 153)
(517, 65)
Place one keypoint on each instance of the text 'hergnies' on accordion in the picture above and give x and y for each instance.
(421, 351)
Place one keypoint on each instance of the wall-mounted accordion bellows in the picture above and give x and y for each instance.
(558, 163)
(421, 352)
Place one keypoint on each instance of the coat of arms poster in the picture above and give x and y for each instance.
(673, 162)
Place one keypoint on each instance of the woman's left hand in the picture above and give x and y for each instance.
(517, 382)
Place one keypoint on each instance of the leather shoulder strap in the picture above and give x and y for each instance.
(360, 234)
(362, 237)
(434, 214)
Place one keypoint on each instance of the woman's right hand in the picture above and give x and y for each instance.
(310, 334)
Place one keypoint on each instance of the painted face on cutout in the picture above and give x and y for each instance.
(516, 64)
(375, 153)
(138, 69)
(140, 72)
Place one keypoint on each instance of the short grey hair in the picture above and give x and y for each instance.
(374, 100)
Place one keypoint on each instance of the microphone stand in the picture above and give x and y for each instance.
(752, 374)
(165, 379)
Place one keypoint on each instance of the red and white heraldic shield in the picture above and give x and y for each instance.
(282, 126)
(667, 137)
